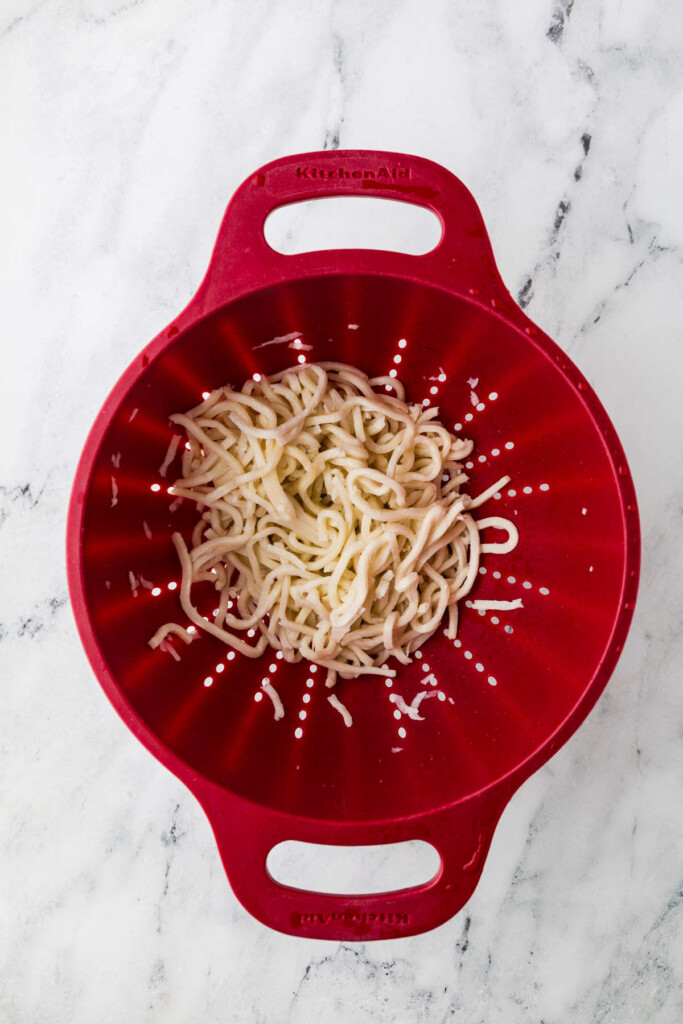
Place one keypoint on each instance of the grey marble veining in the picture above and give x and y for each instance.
(126, 127)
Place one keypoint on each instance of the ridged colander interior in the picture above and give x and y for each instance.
(509, 680)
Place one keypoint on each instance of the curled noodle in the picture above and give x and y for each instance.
(331, 516)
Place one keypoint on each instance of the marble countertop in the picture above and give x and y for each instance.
(126, 128)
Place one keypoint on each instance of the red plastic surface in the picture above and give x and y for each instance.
(517, 685)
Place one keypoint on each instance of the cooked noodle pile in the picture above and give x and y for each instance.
(332, 519)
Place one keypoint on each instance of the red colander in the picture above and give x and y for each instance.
(513, 687)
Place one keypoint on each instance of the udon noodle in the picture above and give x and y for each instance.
(333, 525)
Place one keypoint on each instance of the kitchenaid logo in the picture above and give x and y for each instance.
(348, 917)
(380, 174)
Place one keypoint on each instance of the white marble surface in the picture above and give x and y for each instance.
(125, 128)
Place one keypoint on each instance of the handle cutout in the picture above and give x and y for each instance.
(352, 222)
(353, 870)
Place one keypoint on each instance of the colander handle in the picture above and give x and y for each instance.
(242, 259)
(246, 833)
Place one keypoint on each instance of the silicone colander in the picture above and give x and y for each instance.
(514, 686)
